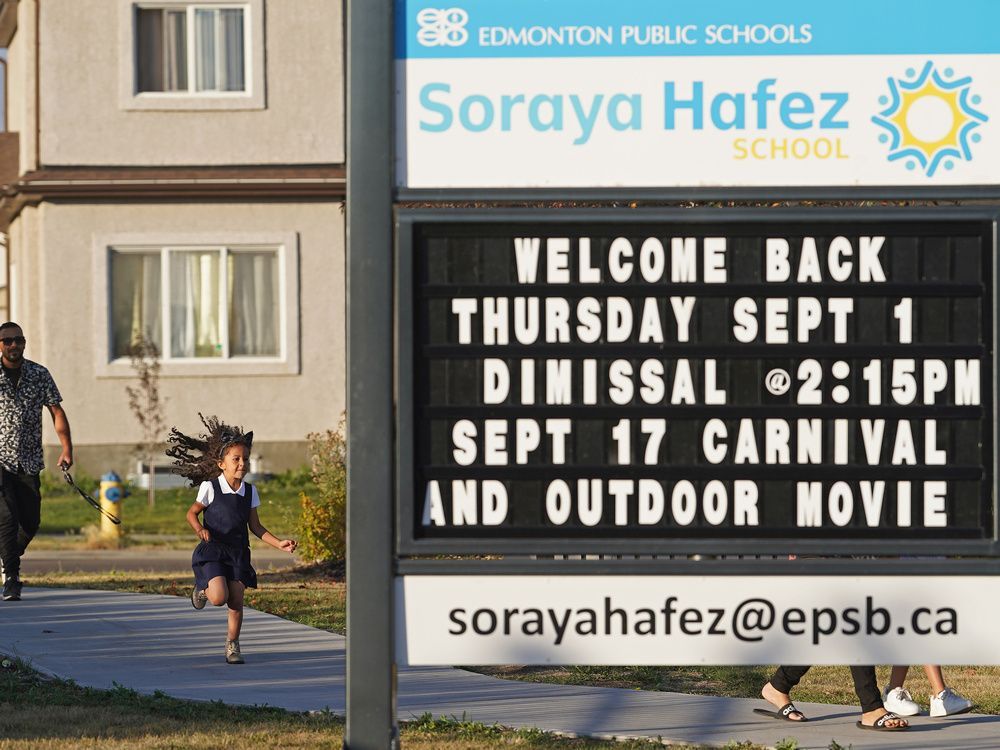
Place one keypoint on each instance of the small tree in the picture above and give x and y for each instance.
(147, 405)
(322, 528)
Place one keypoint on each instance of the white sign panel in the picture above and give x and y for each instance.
(696, 620)
(642, 93)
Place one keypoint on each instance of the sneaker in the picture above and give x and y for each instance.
(899, 701)
(949, 703)
(233, 655)
(199, 598)
(12, 589)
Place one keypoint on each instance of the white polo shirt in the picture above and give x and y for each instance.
(206, 492)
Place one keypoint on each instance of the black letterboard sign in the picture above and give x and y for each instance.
(817, 382)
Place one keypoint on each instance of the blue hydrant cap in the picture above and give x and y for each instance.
(111, 477)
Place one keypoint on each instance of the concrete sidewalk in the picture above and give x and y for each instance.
(160, 643)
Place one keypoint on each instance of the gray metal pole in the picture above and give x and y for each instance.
(371, 683)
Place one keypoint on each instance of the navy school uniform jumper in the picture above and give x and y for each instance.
(228, 552)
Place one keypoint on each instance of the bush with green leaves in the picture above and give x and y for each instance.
(322, 525)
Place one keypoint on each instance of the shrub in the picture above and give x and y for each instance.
(322, 526)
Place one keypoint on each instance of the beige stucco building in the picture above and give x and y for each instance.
(175, 170)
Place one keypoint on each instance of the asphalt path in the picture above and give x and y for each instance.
(149, 643)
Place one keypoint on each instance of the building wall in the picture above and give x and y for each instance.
(281, 409)
(84, 121)
(21, 84)
(23, 241)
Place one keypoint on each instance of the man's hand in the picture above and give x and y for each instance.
(65, 460)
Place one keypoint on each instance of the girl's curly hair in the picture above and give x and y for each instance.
(197, 458)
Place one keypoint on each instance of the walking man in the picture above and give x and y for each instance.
(25, 388)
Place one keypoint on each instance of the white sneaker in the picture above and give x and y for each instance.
(899, 701)
(949, 703)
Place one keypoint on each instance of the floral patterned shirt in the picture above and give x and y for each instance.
(21, 417)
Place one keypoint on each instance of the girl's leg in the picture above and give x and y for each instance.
(235, 603)
(217, 591)
(934, 676)
(898, 676)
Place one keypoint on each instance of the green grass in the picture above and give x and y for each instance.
(65, 512)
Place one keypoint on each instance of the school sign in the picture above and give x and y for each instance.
(586, 93)
(531, 388)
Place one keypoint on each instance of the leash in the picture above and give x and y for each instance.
(110, 516)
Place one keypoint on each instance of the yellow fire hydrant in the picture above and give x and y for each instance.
(112, 494)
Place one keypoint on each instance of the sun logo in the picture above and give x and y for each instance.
(930, 118)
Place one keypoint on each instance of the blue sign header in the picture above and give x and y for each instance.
(432, 29)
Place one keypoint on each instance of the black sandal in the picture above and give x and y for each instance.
(879, 725)
(782, 713)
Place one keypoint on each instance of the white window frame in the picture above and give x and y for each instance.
(286, 247)
(252, 97)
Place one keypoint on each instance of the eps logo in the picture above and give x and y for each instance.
(442, 27)
(929, 119)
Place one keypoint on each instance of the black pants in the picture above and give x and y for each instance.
(785, 678)
(20, 515)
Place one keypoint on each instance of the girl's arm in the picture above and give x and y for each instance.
(288, 545)
(195, 524)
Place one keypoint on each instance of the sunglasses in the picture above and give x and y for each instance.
(11, 340)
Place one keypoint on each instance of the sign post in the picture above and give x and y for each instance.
(371, 684)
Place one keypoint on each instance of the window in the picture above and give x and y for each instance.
(198, 303)
(191, 49)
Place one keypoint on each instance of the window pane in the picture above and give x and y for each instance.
(149, 49)
(204, 23)
(161, 50)
(135, 300)
(175, 62)
(195, 329)
(253, 304)
(232, 40)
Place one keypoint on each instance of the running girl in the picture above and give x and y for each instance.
(228, 507)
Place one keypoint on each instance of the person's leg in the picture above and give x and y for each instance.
(218, 591)
(944, 701)
(895, 697)
(235, 603)
(866, 688)
(233, 655)
(8, 527)
(27, 490)
(785, 678)
(934, 677)
(776, 691)
(898, 676)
